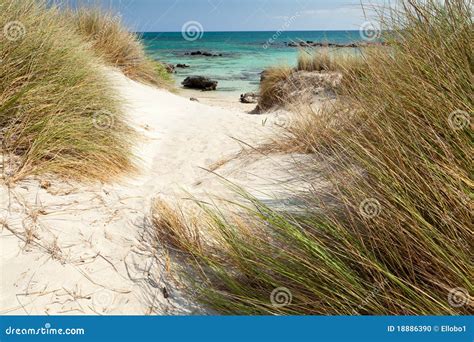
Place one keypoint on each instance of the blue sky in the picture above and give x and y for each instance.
(237, 15)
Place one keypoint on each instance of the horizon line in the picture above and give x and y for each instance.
(269, 31)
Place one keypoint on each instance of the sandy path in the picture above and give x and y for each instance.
(76, 249)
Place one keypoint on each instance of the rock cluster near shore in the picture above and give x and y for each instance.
(203, 53)
(310, 43)
(307, 85)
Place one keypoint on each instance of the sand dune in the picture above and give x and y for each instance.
(71, 248)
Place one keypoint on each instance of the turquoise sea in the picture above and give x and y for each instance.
(244, 54)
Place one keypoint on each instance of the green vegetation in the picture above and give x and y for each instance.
(393, 234)
(120, 48)
(163, 74)
(66, 117)
(60, 113)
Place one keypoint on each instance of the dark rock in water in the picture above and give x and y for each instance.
(249, 98)
(199, 82)
(263, 75)
(193, 99)
(203, 53)
(182, 66)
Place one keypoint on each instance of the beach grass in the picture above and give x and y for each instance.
(393, 233)
(116, 45)
(324, 60)
(281, 83)
(270, 91)
(60, 113)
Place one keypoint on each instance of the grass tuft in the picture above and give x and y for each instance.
(60, 113)
(284, 86)
(270, 91)
(323, 60)
(173, 228)
(118, 47)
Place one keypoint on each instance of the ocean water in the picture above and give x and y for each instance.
(244, 54)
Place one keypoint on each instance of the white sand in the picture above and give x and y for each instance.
(225, 100)
(77, 249)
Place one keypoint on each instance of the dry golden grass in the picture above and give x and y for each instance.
(281, 83)
(174, 228)
(309, 124)
(270, 92)
(394, 234)
(111, 41)
(324, 60)
(58, 111)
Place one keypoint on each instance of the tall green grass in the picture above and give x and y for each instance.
(393, 233)
(66, 116)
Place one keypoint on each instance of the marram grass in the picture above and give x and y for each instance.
(112, 41)
(274, 90)
(66, 117)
